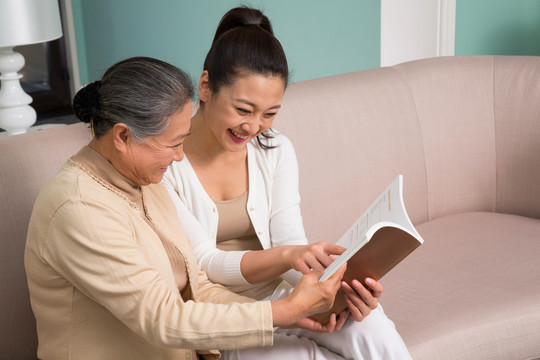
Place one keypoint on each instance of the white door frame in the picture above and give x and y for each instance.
(71, 46)
(416, 29)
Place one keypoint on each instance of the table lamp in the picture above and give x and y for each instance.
(22, 22)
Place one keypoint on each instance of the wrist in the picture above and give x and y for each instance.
(285, 312)
(285, 255)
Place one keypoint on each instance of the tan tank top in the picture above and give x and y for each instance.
(235, 232)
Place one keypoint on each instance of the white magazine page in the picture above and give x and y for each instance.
(387, 208)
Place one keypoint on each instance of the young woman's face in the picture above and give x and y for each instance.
(148, 161)
(239, 112)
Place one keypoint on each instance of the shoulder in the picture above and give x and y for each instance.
(280, 157)
(64, 186)
(73, 197)
(72, 186)
(177, 174)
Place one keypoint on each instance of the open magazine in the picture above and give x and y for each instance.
(381, 237)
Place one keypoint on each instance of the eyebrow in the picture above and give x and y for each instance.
(247, 102)
(183, 136)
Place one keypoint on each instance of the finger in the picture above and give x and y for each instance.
(309, 323)
(331, 324)
(303, 267)
(334, 249)
(356, 300)
(355, 313)
(338, 275)
(375, 287)
(324, 259)
(334, 281)
(365, 294)
(316, 262)
(318, 327)
(317, 256)
(341, 319)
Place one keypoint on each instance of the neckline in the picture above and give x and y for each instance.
(200, 186)
(237, 198)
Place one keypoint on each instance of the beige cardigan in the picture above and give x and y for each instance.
(101, 284)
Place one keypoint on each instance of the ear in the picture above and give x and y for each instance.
(121, 135)
(204, 87)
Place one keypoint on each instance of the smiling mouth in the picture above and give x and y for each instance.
(238, 135)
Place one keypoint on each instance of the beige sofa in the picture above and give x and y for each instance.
(464, 132)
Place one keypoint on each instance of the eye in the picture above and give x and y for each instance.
(243, 111)
(270, 115)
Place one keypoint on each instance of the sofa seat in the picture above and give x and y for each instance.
(499, 318)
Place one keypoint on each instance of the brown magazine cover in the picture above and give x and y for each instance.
(380, 239)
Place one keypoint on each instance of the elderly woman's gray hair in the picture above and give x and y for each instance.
(140, 92)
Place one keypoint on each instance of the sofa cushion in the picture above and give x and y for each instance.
(495, 255)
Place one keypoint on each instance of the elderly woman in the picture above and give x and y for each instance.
(110, 272)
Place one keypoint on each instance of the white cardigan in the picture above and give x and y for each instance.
(273, 206)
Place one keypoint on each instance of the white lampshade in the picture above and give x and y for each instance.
(25, 22)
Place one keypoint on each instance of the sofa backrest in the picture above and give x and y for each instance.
(464, 132)
(517, 130)
(27, 162)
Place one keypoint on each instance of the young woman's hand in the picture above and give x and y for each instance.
(316, 257)
(361, 300)
(264, 265)
(310, 296)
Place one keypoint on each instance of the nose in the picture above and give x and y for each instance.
(178, 153)
(251, 126)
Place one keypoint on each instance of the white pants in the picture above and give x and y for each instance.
(373, 338)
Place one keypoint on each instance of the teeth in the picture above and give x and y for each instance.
(239, 135)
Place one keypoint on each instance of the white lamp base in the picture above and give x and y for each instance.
(16, 115)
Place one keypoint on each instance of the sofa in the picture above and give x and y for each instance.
(465, 134)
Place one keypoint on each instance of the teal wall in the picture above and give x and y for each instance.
(497, 27)
(320, 37)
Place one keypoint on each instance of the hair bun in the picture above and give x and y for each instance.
(86, 102)
(240, 17)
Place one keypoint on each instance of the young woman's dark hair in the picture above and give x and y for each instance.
(244, 43)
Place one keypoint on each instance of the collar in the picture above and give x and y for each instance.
(95, 165)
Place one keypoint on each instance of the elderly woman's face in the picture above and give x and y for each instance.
(148, 161)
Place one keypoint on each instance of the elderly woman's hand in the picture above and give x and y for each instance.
(335, 323)
(361, 300)
(310, 296)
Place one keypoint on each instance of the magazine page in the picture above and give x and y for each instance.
(387, 210)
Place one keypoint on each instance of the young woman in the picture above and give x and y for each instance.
(236, 192)
(110, 272)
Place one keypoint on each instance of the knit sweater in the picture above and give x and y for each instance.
(101, 282)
